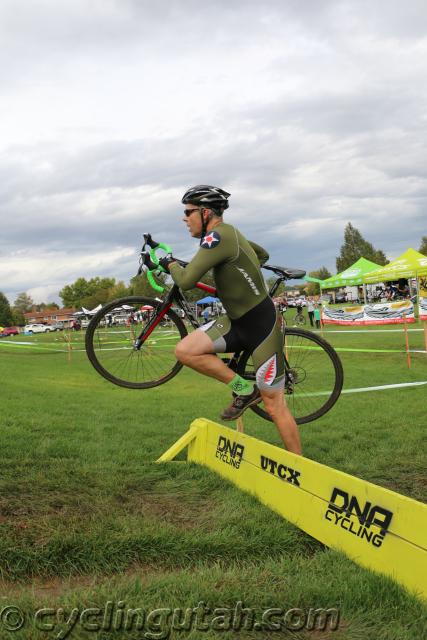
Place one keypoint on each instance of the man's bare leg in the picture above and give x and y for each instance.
(196, 352)
(277, 408)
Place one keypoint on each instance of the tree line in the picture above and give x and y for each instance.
(81, 293)
(91, 293)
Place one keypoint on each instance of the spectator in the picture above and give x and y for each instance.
(316, 313)
(310, 310)
(75, 325)
(205, 314)
(403, 288)
(391, 292)
(281, 303)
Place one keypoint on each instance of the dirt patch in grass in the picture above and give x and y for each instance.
(58, 586)
(179, 509)
(46, 587)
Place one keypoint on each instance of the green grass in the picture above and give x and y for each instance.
(87, 516)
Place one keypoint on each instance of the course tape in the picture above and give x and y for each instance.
(25, 345)
(382, 387)
(385, 386)
(355, 349)
(368, 330)
(377, 350)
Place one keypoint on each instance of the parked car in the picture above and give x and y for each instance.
(296, 302)
(9, 331)
(37, 328)
(57, 326)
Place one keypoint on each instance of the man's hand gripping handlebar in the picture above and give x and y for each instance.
(151, 263)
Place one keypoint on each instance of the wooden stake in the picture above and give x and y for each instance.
(67, 338)
(405, 328)
(239, 425)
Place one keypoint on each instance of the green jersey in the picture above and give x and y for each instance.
(236, 268)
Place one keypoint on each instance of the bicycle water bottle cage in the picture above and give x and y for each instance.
(158, 268)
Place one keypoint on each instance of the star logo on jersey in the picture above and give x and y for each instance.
(211, 240)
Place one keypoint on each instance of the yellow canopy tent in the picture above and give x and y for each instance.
(409, 265)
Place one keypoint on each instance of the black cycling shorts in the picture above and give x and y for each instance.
(259, 331)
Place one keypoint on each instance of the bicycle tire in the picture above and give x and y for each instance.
(94, 344)
(322, 346)
(299, 319)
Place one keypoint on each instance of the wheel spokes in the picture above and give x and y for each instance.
(114, 347)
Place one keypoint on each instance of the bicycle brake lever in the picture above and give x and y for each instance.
(148, 262)
(145, 262)
(149, 240)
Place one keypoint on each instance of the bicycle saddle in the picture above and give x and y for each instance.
(285, 272)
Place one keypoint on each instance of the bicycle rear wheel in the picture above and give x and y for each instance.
(299, 319)
(314, 376)
(110, 343)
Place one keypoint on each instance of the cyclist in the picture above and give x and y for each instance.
(299, 318)
(281, 303)
(251, 322)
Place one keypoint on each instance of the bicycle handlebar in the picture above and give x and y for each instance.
(150, 261)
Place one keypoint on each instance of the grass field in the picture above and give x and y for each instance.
(87, 517)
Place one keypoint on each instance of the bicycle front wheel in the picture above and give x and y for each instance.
(314, 375)
(110, 343)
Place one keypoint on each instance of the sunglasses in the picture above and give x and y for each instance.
(188, 212)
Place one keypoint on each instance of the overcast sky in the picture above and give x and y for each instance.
(312, 113)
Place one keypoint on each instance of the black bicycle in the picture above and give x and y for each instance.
(299, 317)
(131, 342)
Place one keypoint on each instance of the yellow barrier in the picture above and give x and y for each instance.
(375, 527)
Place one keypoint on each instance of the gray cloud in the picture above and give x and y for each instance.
(311, 113)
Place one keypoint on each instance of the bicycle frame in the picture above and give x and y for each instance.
(176, 296)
